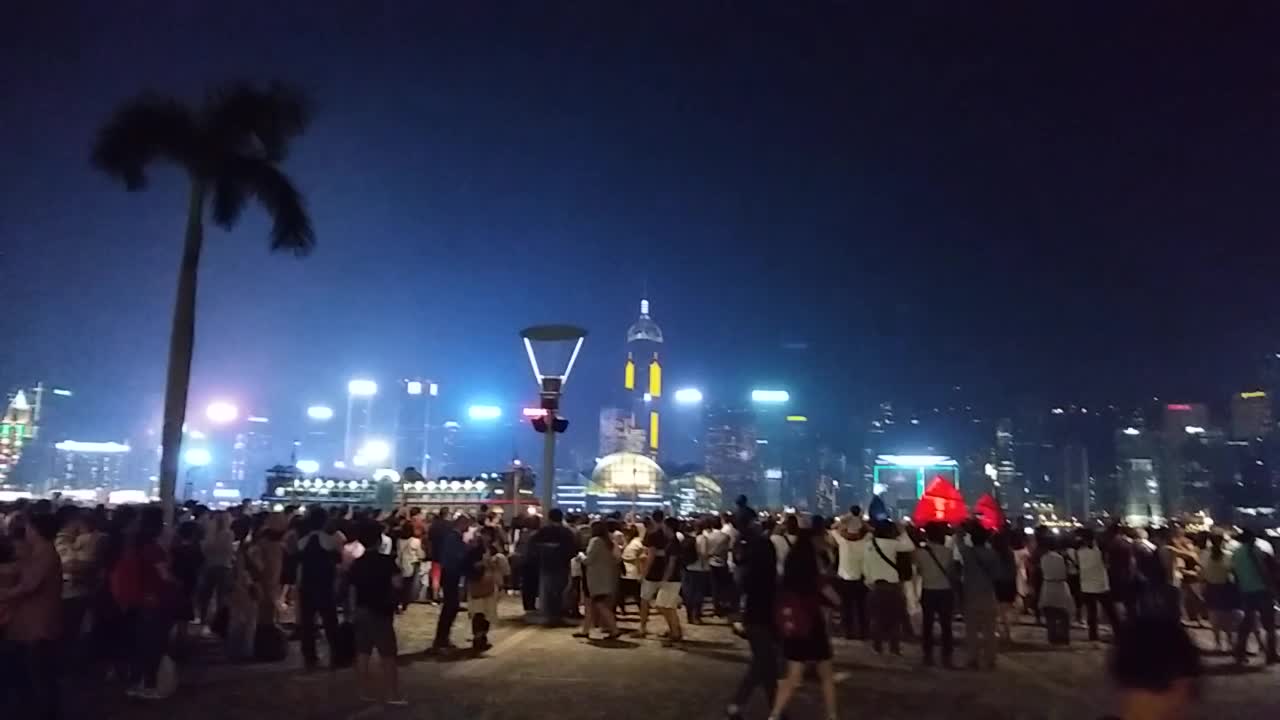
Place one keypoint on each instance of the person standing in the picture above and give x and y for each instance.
(1253, 563)
(1120, 570)
(318, 556)
(784, 536)
(758, 571)
(937, 596)
(600, 568)
(880, 568)
(158, 599)
(718, 543)
(1095, 588)
(76, 550)
(1055, 593)
(803, 626)
(219, 548)
(851, 540)
(667, 600)
(34, 612)
(486, 568)
(980, 568)
(374, 582)
(654, 566)
(1220, 593)
(1005, 581)
(449, 552)
(632, 559)
(554, 546)
(697, 573)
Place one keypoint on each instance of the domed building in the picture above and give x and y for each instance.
(626, 479)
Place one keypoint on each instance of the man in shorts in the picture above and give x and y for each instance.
(654, 565)
(375, 584)
(667, 600)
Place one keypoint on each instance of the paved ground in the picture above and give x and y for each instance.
(532, 672)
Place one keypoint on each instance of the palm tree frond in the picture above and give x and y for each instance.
(291, 228)
(238, 115)
(229, 198)
(147, 128)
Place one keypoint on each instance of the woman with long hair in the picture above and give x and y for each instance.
(805, 639)
(1006, 582)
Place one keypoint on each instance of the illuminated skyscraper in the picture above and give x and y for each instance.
(89, 465)
(413, 424)
(1250, 415)
(360, 395)
(732, 454)
(17, 428)
(644, 339)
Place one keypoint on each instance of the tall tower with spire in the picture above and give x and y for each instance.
(17, 427)
(644, 340)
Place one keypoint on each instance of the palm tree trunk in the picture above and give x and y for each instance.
(181, 346)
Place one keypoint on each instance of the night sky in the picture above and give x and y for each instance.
(1068, 201)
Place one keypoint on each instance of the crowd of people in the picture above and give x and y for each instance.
(120, 592)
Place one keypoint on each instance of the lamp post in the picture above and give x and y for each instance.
(555, 341)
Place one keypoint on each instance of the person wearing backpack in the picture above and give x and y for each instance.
(1254, 565)
(802, 624)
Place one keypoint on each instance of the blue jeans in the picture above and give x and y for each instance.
(551, 585)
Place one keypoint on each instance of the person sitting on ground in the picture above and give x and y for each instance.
(375, 583)
(1156, 669)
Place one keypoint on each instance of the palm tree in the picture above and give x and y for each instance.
(231, 148)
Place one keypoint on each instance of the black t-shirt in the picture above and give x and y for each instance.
(674, 550)
(371, 576)
(555, 546)
(759, 580)
(318, 561)
(655, 544)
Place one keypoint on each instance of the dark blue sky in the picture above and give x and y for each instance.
(1076, 202)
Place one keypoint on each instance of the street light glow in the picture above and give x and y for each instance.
(197, 457)
(362, 388)
(770, 396)
(309, 467)
(688, 396)
(484, 412)
(320, 412)
(221, 412)
(413, 387)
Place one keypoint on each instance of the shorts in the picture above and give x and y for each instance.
(649, 589)
(375, 632)
(668, 596)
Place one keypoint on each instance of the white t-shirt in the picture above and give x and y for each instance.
(874, 567)
(1093, 571)
(852, 555)
(631, 559)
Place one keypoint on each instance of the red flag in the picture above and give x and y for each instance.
(988, 512)
(941, 502)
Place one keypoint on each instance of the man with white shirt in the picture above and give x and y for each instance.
(852, 542)
(886, 602)
(1095, 588)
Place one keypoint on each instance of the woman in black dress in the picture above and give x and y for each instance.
(802, 624)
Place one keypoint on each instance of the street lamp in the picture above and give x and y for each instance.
(320, 413)
(221, 412)
(555, 342)
(308, 467)
(376, 451)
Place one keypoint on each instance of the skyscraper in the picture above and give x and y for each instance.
(731, 453)
(360, 394)
(89, 465)
(17, 428)
(618, 432)
(644, 339)
(1136, 469)
(1250, 415)
(1078, 491)
(413, 424)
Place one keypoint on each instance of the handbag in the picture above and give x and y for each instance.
(795, 615)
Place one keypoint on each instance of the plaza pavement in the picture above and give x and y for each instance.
(534, 672)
